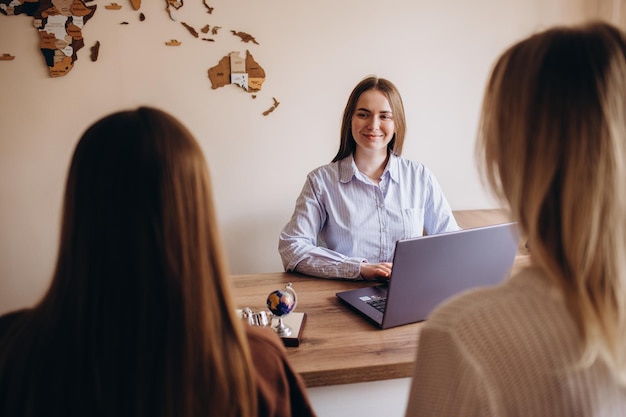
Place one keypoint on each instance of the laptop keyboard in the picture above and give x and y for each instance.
(378, 303)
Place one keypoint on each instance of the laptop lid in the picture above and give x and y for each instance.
(428, 269)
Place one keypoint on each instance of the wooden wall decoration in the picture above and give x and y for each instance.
(60, 20)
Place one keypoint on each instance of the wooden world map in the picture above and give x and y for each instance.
(60, 24)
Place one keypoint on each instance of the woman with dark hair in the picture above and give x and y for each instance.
(351, 212)
(551, 340)
(139, 319)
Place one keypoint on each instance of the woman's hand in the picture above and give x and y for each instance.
(376, 271)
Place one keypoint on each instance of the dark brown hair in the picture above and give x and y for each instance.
(138, 319)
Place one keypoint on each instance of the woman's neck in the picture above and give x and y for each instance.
(370, 164)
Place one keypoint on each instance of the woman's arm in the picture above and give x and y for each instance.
(298, 241)
(438, 216)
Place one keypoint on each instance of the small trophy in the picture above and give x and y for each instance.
(261, 319)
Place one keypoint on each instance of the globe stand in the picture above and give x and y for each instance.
(285, 322)
(282, 329)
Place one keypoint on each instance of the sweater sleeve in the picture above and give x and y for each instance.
(446, 382)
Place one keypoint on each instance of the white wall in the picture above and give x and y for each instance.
(437, 52)
(385, 398)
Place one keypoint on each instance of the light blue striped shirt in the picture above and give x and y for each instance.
(342, 218)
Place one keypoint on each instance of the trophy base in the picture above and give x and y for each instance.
(295, 321)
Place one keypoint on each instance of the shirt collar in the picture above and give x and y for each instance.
(348, 169)
(393, 167)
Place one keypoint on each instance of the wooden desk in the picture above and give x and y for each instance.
(467, 219)
(338, 346)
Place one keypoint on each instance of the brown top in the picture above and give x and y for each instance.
(281, 391)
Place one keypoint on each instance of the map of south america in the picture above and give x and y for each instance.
(60, 24)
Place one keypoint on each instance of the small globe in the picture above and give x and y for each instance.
(281, 302)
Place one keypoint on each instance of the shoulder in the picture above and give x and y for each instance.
(521, 343)
(281, 391)
(267, 350)
(412, 172)
(268, 354)
(526, 298)
(329, 175)
(489, 305)
(263, 338)
(324, 170)
(408, 166)
(8, 320)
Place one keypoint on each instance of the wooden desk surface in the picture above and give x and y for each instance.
(338, 346)
(467, 219)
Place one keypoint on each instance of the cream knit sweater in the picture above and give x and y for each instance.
(505, 351)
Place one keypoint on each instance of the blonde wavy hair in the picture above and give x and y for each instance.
(552, 144)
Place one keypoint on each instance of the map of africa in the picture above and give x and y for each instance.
(60, 24)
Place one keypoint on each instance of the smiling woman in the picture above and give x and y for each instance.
(372, 129)
(351, 212)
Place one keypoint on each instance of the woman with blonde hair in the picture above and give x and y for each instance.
(139, 319)
(551, 340)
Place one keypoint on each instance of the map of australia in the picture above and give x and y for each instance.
(233, 69)
(60, 24)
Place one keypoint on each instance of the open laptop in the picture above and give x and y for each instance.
(428, 269)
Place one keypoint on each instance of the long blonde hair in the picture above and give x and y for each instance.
(138, 320)
(553, 146)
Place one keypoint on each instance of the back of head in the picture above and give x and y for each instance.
(130, 322)
(127, 201)
(553, 146)
(347, 144)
